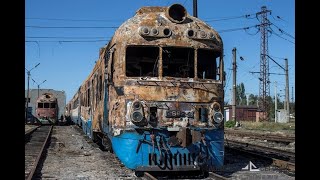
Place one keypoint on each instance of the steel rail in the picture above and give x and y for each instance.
(30, 174)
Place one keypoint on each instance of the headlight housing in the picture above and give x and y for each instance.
(137, 116)
(218, 117)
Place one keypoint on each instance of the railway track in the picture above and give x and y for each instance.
(216, 176)
(268, 137)
(280, 158)
(178, 175)
(34, 148)
(148, 176)
(285, 155)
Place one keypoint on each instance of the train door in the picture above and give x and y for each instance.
(109, 58)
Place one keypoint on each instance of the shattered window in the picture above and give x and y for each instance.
(207, 65)
(53, 105)
(178, 62)
(40, 105)
(100, 87)
(142, 61)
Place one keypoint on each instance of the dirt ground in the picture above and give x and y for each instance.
(28, 127)
(71, 156)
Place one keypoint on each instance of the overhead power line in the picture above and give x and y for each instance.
(273, 32)
(282, 31)
(56, 19)
(247, 16)
(44, 37)
(63, 41)
(237, 29)
(229, 18)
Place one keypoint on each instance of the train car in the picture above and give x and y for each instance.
(47, 109)
(155, 95)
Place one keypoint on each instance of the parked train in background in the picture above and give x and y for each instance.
(155, 96)
(47, 109)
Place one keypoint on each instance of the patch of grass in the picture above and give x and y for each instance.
(229, 124)
(268, 126)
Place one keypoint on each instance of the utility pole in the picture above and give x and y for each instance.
(287, 90)
(292, 99)
(38, 85)
(286, 102)
(234, 68)
(264, 90)
(195, 8)
(27, 101)
(275, 102)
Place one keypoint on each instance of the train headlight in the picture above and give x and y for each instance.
(202, 34)
(154, 32)
(218, 117)
(137, 116)
(216, 106)
(144, 31)
(136, 105)
(190, 33)
(167, 32)
(211, 35)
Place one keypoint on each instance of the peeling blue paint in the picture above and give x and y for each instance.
(125, 147)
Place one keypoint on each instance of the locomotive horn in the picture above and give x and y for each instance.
(176, 13)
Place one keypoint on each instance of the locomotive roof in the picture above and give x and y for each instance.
(45, 97)
(176, 19)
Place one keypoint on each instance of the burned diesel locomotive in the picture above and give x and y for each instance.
(155, 96)
(47, 109)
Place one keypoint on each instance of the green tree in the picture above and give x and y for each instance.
(253, 100)
(292, 107)
(241, 97)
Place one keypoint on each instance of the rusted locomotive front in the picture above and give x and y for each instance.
(165, 80)
(47, 109)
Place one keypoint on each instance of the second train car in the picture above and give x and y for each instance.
(47, 109)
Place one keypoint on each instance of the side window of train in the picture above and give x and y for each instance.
(207, 65)
(219, 62)
(112, 65)
(96, 90)
(106, 58)
(100, 87)
(110, 68)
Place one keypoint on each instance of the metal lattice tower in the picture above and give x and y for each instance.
(264, 90)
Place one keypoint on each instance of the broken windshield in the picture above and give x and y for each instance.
(176, 62)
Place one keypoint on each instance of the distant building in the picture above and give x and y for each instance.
(243, 113)
(33, 96)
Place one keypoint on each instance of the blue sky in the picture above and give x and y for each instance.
(67, 55)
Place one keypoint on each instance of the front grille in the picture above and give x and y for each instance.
(171, 160)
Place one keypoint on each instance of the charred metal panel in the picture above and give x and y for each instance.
(171, 93)
(184, 136)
